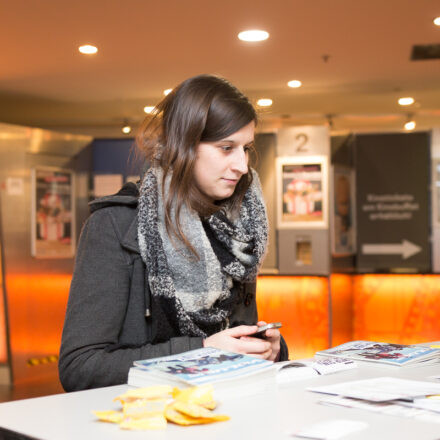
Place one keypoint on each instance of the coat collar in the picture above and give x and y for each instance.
(127, 196)
(130, 238)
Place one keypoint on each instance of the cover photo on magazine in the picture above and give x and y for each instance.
(395, 354)
(205, 365)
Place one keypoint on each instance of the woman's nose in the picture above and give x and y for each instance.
(240, 161)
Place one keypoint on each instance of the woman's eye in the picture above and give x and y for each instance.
(226, 147)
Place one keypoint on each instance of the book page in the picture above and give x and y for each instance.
(330, 429)
(393, 408)
(381, 389)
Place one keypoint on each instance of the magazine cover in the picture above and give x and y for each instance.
(205, 365)
(394, 354)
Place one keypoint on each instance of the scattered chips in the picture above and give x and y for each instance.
(109, 416)
(201, 395)
(153, 392)
(181, 419)
(144, 408)
(151, 407)
(157, 421)
(195, 413)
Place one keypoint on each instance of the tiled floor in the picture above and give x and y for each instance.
(29, 390)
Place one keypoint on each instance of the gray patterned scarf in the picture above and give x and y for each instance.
(196, 294)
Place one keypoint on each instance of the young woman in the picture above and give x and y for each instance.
(171, 266)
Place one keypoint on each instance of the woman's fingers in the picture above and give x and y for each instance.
(241, 330)
(254, 345)
(266, 355)
(239, 340)
(272, 333)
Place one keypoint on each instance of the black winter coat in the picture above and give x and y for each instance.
(111, 318)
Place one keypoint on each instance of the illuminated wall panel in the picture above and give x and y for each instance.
(396, 308)
(301, 304)
(342, 308)
(391, 308)
(37, 305)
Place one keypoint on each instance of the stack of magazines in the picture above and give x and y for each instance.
(384, 353)
(206, 365)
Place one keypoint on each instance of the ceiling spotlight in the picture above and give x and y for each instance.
(437, 21)
(294, 83)
(410, 125)
(88, 49)
(126, 128)
(167, 91)
(253, 35)
(149, 109)
(408, 100)
(264, 102)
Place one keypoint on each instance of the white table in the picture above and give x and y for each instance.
(266, 416)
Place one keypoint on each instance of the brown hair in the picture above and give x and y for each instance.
(203, 108)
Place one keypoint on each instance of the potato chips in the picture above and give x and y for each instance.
(151, 408)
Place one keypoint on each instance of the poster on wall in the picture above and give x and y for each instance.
(343, 232)
(393, 210)
(53, 216)
(302, 192)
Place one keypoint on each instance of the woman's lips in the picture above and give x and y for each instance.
(230, 181)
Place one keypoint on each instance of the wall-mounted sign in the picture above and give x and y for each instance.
(53, 216)
(302, 192)
(303, 141)
(393, 223)
(14, 186)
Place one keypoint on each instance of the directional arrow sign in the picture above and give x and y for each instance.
(406, 249)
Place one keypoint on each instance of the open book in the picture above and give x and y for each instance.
(392, 354)
(204, 365)
(289, 371)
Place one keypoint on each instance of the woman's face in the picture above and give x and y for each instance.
(219, 165)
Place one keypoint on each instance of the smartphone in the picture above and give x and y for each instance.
(261, 332)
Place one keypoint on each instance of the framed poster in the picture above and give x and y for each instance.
(343, 230)
(302, 192)
(53, 213)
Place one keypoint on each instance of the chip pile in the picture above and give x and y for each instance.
(152, 407)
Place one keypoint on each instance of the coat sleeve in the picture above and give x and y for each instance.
(95, 313)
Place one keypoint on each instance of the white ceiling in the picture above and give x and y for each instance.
(146, 47)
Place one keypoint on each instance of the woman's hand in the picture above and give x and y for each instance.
(237, 340)
(273, 336)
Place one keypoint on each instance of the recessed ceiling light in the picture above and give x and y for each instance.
(264, 102)
(88, 49)
(149, 109)
(410, 125)
(408, 100)
(437, 21)
(253, 35)
(294, 83)
(126, 128)
(167, 91)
